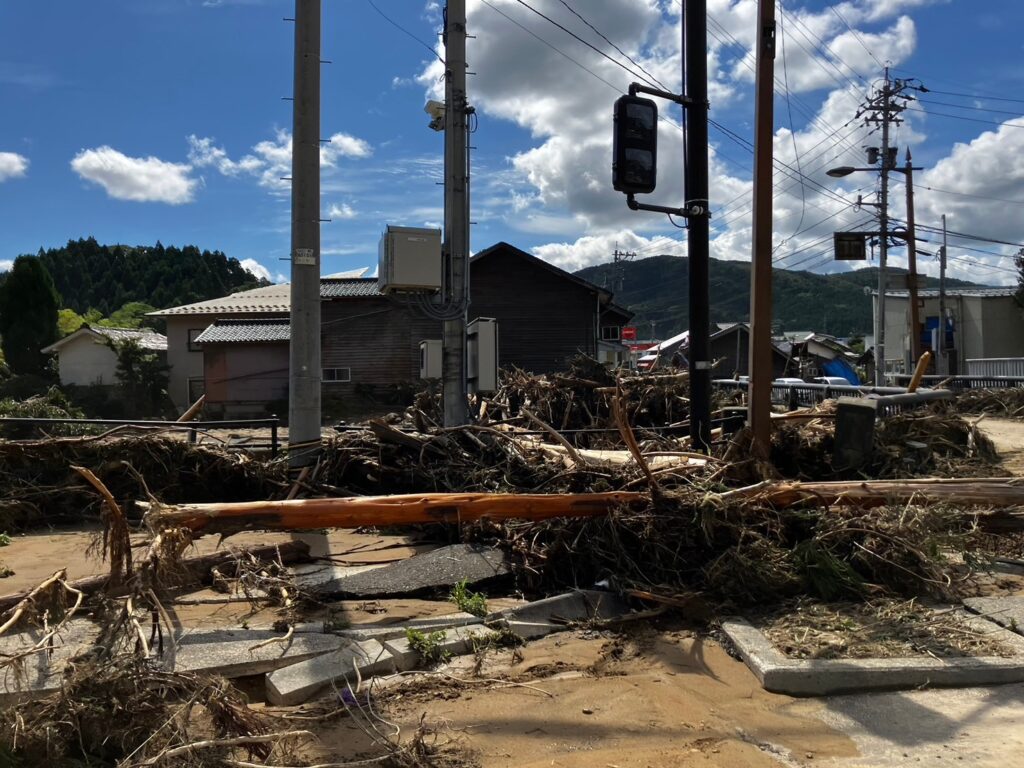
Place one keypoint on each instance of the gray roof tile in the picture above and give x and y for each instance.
(246, 331)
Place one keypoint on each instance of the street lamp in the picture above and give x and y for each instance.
(888, 164)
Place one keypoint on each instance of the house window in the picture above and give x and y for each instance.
(193, 333)
(610, 333)
(196, 388)
(336, 375)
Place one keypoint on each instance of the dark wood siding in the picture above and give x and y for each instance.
(376, 338)
(543, 319)
(736, 360)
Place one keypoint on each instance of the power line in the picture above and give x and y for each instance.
(1016, 113)
(402, 29)
(584, 42)
(856, 36)
(976, 96)
(964, 194)
(968, 119)
(600, 34)
(965, 236)
(792, 132)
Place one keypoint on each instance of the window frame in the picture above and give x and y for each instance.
(192, 346)
(334, 378)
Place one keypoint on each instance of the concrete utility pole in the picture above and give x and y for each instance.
(695, 78)
(915, 327)
(943, 358)
(760, 391)
(304, 352)
(456, 213)
(883, 240)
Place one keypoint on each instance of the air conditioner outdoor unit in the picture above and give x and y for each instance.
(430, 358)
(482, 355)
(409, 260)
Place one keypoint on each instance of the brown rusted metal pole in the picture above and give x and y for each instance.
(760, 405)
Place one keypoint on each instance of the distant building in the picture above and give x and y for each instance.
(980, 323)
(236, 348)
(729, 350)
(85, 358)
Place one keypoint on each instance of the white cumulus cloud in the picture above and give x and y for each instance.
(5, 265)
(256, 268)
(341, 211)
(12, 166)
(140, 179)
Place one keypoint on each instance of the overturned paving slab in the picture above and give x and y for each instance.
(421, 573)
(818, 677)
(349, 663)
(41, 672)
(1007, 612)
(556, 614)
(238, 653)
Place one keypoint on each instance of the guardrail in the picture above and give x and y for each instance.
(892, 399)
(996, 366)
(191, 427)
(970, 381)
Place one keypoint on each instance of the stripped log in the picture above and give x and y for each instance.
(360, 511)
(190, 570)
(984, 492)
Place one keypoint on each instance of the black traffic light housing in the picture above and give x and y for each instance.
(635, 145)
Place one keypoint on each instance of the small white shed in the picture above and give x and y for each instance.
(85, 358)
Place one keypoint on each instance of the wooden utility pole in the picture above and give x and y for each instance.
(915, 327)
(695, 78)
(304, 349)
(760, 391)
(456, 213)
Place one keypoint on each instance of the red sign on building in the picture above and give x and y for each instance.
(629, 333)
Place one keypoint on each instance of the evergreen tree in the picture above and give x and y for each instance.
(28, 314)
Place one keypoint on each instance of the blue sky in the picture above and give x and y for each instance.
(144, 120)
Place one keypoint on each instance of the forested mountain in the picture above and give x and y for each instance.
(657, 288)
(88, 275)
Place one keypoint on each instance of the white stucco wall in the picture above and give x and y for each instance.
(183, 363)
(86, 360)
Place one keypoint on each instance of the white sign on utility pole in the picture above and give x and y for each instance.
(304, 256)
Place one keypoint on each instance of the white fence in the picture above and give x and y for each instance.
(996, 366)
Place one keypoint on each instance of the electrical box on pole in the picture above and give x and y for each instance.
(430, 358)
(482, 355)
(635, 145)
(409, 259)
(850, 246)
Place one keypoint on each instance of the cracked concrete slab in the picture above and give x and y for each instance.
(818, 677)
(421, 573)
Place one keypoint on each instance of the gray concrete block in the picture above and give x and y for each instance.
(233, 653)
(555, 614)
(797, 677)
(455, 643)
(300, 682)
(40, 673)
(1005, 611)
(388, 631)
(855, 432)
(432, 570)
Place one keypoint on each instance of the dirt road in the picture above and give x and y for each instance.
(1008, 436)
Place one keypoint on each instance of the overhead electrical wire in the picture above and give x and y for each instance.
(792, 131)
(1017, 113)
(405, 31)
(962, 117)
(856, 35)
(600, 34)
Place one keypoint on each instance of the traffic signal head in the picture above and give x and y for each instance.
(635, 145)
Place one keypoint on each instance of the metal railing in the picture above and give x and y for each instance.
(961, 383)
(996, 366)
(192, 428)
(892, 399)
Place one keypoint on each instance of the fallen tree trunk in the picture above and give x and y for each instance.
(190, 570)
(984, 492)
(360, 511)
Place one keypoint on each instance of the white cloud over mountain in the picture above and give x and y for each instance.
(139, 179)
